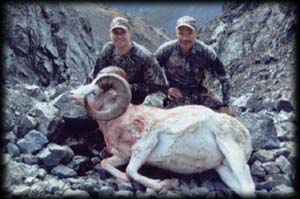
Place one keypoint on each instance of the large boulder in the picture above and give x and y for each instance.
(262, 130)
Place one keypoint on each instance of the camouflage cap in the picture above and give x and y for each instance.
(187, 21)
(120, 22)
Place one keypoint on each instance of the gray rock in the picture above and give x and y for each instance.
(199, 191)
(150, 193)
(90, 185)
(123, 193)
(173, 194)
(29, 159)
(106, 191)
(68, 109)
(281, 151)
(220, 186)
(208, 184)
(220, 194)
(54, 185)
(76, 193)
(9, 121)
(9, 137)
(262, 130)
(55, 154)
(35, 91)
(273, 180)
(283, 116)
(27, 123)
(185, 189)
(268, 104)
(163, 192)
(20, 190)
(291, 146)
(15, 103)
(211, 194)
(271, 167)
(254, 103)
(38, 188)
(263, 155)
(285, 166)
(282, 190)
(261, 193)
(63, 171)
(32, 142)
(241, 102)
(42, 173)
(18, 172)
(257, 169)
(13, 150)
(124, 186)
(285, 130)
(175, 183)
(50, 92)
(48, 117)
(30, 180)
(77, 180)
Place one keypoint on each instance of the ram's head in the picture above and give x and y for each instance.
(107, 96)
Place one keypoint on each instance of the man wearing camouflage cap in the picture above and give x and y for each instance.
(143, 71)
(188, 63)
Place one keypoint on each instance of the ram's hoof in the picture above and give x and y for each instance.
(166, 184)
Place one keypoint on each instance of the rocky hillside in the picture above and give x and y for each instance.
(165, 14)
(257, 44)
(48, 48)
(54, 43)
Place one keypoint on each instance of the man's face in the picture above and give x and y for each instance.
(120, 37)
(186, 38)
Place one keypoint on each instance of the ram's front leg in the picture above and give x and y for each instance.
(140, 151)
(110, 164)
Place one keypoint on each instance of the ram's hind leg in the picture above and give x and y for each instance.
(236, 165)
(229, 178)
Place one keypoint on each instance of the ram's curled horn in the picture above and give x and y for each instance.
(120, 85)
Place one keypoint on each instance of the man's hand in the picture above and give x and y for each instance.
(228, 110)
(174, 93)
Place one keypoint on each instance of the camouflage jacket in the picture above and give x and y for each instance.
(143, 70)
(191, 72)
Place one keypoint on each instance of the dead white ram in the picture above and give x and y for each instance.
(187, 139)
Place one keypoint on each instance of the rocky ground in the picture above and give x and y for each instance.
(65, 162)
(47, 153)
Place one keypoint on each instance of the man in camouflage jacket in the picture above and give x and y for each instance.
(144, 72)
(188, 63)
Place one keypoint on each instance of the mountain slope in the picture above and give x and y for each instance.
(257, 44)
(165, 14)
(54, 43)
